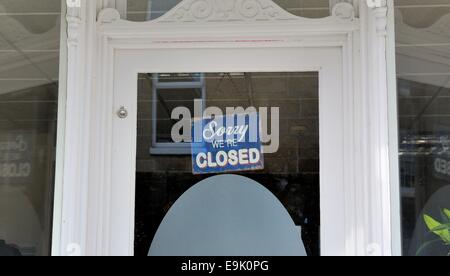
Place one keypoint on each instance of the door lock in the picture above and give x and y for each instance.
(122, 113)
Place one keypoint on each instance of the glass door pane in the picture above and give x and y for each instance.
(164, 170)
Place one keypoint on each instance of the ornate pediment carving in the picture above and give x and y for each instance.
(230, 10)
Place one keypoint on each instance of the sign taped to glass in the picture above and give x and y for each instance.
(227, 143)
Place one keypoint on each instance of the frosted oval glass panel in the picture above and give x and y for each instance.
(143, 10)
(228, 215)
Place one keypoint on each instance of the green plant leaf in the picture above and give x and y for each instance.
(447, 212)
(444, 216)
(441, 227)
(433, 224)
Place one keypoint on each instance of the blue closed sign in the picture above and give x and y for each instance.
(227, 144)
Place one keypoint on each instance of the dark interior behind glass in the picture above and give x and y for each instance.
(291, 174)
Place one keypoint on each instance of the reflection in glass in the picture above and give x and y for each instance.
(29, 59)
(423, 73)
(168, 100)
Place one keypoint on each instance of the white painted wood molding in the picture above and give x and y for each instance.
(376, 3)
(73, 238)
(91, 46)
(374, 161)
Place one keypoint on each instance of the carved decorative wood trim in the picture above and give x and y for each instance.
(108, 15)
(373, 165)
(380, 11)
(381, 20)
(73, 21)
(344, 11)
(232, 11)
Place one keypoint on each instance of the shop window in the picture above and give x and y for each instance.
(29, 74)
(168, 92)
(423, 79)
(143, 10)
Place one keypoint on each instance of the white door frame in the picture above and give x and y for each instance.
(327, 61)
(89, 168)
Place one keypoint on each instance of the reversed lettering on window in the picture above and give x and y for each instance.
(15, 156)
(442, 168)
